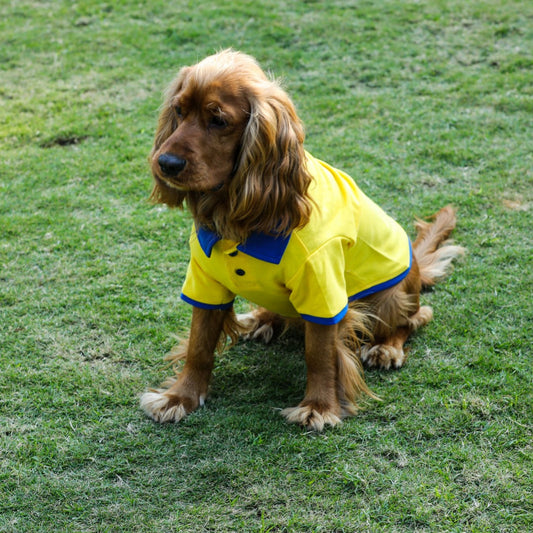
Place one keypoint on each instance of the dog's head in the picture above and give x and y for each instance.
(230, 142)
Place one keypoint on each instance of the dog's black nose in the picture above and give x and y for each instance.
(170, 164)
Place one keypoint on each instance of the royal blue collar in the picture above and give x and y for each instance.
(266, 248)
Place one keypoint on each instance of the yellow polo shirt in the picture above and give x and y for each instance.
(349, 249)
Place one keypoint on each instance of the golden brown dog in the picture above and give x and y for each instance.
(289, 233)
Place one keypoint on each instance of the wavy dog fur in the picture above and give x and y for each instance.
(229, 146)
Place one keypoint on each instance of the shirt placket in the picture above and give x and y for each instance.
(235, 267)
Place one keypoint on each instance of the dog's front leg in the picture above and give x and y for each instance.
(320, 405)
(189, 390)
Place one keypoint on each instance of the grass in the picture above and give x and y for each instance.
(424, 103)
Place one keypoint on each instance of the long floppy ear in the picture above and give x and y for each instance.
(161, 192)
(268, 193)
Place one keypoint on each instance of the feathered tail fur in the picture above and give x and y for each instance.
(433, 252)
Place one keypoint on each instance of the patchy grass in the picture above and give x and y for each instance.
(424, 103)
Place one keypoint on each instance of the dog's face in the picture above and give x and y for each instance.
(208, 117)
(230, 144)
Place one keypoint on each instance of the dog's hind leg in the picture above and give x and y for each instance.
(396, 314)
(397, 310)
(388, 352)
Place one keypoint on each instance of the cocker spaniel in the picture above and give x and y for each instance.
(289, 233)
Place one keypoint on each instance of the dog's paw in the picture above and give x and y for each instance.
(163, 407)
(312, 418)
(421, 317)
(263, 333)
(383, 356)
(254, 328)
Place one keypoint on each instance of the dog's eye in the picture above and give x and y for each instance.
(178, 111)
(218, 122)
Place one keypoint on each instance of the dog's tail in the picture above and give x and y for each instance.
(434, 253)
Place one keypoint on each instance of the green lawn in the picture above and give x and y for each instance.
(424, 103)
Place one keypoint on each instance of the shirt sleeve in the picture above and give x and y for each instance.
(201, 290)
(318, 289)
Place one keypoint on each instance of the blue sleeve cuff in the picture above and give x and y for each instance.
(203, 305)
(326, 321)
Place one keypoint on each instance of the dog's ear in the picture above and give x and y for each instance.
(269, 189)
(162, 193)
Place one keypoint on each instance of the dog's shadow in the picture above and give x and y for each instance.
(252, 373)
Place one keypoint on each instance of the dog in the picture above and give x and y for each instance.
(287, 232)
